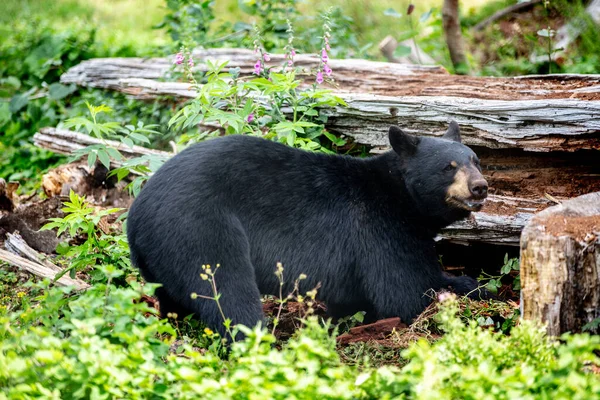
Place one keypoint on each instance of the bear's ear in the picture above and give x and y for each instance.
(402, 143)
(453, 132)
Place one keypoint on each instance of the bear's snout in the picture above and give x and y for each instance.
(479, 188)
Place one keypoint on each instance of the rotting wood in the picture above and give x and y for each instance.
(22, 256)
(560, 265)
(533, 125)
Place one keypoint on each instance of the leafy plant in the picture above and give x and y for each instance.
(510, 267)
(107, 130)
(100, 246)
(270, 106)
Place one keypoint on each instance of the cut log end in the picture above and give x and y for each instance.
(560, 265)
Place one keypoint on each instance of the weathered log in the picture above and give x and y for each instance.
(560, 265)
(66, 142)
(536, 114)
(22, 256)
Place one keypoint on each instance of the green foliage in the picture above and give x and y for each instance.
(494, 282)
(107, 343)
(188, 21)
(98, 248)
(272, 105)
(472, 363)
(127, 135)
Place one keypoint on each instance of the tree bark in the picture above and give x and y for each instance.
(454, 39)
(560, 265)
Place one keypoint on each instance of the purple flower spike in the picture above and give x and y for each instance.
(190, 62)
(179, 58)
(250, 118)
(324, 56)
(257, 67)
(327, 70)
(266, 57)
(319, 77)
(290, 63)
(293, 53)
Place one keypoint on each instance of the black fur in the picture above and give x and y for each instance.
(363, 228)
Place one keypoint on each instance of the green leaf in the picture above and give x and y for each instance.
(139, 138)
(91, 159)
(58, 91)
(18, 102)
(104, 158)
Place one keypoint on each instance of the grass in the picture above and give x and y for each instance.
(119, 23)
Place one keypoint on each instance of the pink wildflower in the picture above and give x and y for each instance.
(319, 77)
(327, 69)
(293, 53)
(179, 58)
(266, 57)
(324, 56)
(258, 67)
(250, 118)
(290, 63)
(190, 62)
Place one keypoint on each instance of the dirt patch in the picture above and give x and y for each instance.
(290, 316)
(581, 228)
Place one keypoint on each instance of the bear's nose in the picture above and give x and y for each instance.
(479, 188)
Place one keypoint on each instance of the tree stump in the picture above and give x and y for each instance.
(560, 265)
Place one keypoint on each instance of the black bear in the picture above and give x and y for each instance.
(363, 228)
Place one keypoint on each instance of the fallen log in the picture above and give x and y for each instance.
(24, 257)
(561, 113)
(560, 265)
(66, 142)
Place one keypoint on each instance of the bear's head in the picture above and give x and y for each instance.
(442, 175)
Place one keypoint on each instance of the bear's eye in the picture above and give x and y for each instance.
(450, 167)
